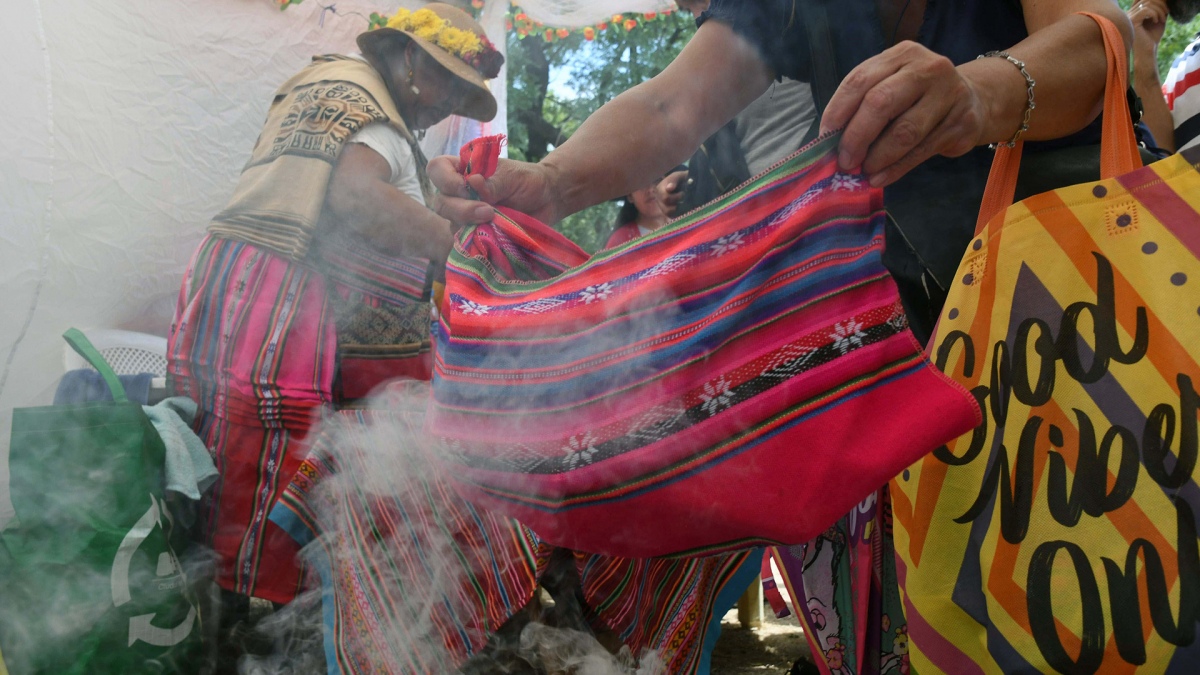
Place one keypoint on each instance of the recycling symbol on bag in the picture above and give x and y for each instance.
(141, 627)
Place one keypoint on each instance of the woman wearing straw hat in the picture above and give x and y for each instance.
(314, 284)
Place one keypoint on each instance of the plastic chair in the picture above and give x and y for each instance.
(128, 353)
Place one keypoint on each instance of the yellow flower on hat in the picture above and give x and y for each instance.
(425, 19)
(425, 32)
(399, 20)
(427, 25)
(462, 42)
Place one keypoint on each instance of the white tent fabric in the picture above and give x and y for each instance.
(128, 124)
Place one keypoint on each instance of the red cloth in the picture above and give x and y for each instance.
(626, 403)
(624, 233)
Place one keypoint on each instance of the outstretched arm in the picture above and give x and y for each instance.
(627, 144)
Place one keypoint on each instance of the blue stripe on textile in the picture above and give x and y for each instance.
(296, 528)
(430, 572)
(225, 253)
(845, 237)
(506, 391)
(487, 540)
(726, 598)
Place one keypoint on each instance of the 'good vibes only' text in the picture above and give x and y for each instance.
(1028, 370)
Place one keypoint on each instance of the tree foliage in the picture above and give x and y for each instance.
(541, 116)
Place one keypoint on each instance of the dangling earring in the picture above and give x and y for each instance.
(412, 87)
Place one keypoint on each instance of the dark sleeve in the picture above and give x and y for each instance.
(773, 26)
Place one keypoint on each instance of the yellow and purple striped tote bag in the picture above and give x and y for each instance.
(1060, 535)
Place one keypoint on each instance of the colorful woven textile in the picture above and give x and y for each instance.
(266, 346)
(415, 578)
(740, 350)
(1060, 535)
(843, 587)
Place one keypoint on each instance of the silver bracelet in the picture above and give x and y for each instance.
(1030, 83)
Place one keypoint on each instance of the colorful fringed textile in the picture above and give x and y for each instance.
(631, 403)
(415, 578)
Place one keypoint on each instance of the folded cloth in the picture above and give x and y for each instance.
(85, 384)
(189, 467)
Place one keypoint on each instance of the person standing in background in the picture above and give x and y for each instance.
(1172, 109)
(773, 126)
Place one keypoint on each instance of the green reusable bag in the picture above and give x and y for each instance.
(89, 579)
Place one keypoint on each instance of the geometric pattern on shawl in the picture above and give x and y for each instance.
(415, 578)
(741, 345)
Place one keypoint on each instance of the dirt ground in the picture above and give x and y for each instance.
(770, 650)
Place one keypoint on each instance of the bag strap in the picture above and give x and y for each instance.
(1118, 147)
(84, 348)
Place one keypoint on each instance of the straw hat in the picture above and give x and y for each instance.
(454, 40)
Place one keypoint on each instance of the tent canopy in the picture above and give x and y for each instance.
(130, 123)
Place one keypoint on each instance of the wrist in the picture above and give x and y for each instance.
(557, 196)
(1003, 97)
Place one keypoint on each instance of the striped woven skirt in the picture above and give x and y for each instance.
(266, 347)
(415, 578)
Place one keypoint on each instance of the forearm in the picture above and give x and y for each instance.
(391, 221)
(1068, 62)
(1155, 113)
(636, 138)
(628, 144)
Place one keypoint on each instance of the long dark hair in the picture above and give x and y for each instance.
(628, 213)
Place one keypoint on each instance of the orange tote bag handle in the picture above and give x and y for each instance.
(1118, 148)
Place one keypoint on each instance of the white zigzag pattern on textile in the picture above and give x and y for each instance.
(675, 262)
(790, 359)
(469, 307)
(798, 203)
(653, 425)
(540, 305)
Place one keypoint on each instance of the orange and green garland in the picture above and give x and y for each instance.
(520, 23)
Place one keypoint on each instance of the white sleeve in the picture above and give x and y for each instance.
(393, 147)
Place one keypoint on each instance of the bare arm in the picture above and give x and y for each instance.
(642, 133)
(361, 199)
(908, 104)
(1149, 19)
(628, 143)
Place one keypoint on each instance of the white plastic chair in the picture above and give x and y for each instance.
(128, 353)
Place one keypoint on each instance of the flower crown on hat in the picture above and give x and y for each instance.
(473, 49)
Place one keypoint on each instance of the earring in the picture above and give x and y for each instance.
(412, 87)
